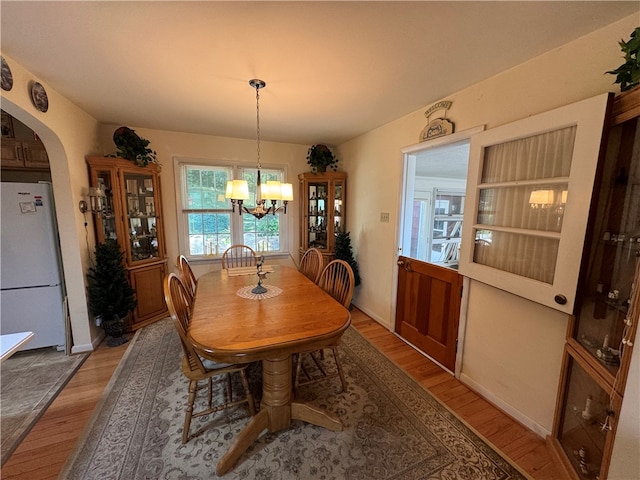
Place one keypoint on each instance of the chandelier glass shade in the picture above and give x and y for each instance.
(270, 191)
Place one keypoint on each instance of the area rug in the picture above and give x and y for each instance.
(394, 429)
(31, 380)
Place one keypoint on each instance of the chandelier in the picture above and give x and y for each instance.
(238, 190)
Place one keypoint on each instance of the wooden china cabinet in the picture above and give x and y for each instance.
(322, 210)
(132, 216)
(601, 334)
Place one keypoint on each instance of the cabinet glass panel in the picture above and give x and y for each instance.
(141, 215)
(318, 201)
(338, 207)
(585, 422)
(107, 219)
(616, 245)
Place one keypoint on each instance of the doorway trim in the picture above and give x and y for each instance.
(408, 158)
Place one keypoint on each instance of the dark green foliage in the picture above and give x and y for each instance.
(628, 74)
(320, 157)
(343, 252)
(132, 147)
(110, 294)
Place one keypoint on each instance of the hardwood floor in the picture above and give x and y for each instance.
(44, 451)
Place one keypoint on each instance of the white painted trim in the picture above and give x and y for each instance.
(505, 407)
(88, 347)
(462, 324)
(439, 141)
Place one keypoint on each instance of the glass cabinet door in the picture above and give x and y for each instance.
(318, 199)
(141, 216)
(587, 420)
(606, 294)
(107, 225)
(338, 206)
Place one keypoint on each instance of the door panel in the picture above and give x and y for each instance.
(428, 308)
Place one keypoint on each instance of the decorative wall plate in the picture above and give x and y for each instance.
(7, 76)
(39, 97)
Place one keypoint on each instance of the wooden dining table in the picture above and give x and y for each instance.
(230, 328)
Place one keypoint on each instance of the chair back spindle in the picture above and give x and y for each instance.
(238, 256)
(311, 264)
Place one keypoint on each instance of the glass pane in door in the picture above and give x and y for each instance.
(107, 216)
(318, 203)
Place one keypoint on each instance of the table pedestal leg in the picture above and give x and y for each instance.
(276, 411)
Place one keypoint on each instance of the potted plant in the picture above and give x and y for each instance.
(320, 157)
(133, 147)
(628, 74)
(111, 297)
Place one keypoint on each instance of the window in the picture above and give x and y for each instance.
(208, 226)
(529, 188)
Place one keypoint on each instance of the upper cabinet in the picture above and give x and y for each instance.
(20, 146)
(322, 209)
(132, 216)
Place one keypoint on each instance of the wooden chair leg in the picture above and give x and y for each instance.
(339, 367)
(247, 392)
(193, 387)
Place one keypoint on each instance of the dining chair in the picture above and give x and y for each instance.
(187, 276)
(196, 368)
(311, 264)
(238, 256)
(337, 280)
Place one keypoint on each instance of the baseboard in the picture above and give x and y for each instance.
(88, 347)
(505, 407)
(373, 316)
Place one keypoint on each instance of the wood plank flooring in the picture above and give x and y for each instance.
(44, 451)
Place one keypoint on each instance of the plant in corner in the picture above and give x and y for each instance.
(628, 74)
(320, 157)
(111, 297)
(343, 252)
(133, 147)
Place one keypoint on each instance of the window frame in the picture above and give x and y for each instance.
(237, 234)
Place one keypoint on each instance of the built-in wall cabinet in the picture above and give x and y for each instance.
(601, 334)
(132, 216)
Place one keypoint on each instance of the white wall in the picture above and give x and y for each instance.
(512, 353)
(200, 147)
(68, 134)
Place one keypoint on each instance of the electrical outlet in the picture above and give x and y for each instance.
(384, 217)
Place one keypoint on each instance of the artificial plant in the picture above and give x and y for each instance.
(111, 297)
(133, 147)
(320, 157)
(628, 74)
(344, 252)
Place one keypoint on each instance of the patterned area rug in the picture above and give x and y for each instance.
(31, 380)
(394, 429)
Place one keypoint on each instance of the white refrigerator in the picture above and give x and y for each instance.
(31, 282)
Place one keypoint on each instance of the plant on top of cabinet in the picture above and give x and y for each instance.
(628, 74)
(133, 147)
(320, 157)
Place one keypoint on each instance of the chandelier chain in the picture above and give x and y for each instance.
(258, 124)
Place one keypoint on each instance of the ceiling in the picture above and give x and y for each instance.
(334, 70)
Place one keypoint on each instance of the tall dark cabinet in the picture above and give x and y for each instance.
(132, 216)
(601, 335)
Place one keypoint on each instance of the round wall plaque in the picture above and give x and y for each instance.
(7, 76)
(39, 97)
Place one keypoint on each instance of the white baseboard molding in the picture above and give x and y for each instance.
(505, 407)
(374, 316)
(88, 347)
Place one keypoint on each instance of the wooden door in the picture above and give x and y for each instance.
(428, 308)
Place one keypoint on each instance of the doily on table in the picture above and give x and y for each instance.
(245, 292)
